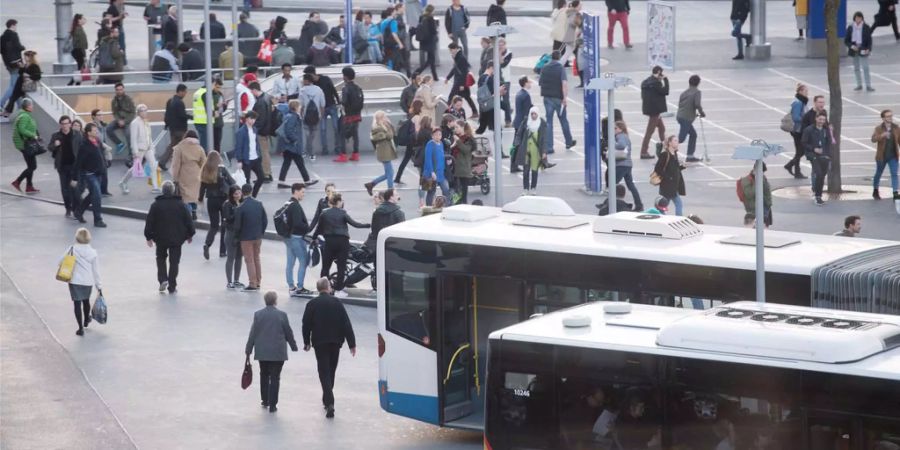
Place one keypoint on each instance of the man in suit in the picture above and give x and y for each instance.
(326, 325)
(270, 332)
(250, 222)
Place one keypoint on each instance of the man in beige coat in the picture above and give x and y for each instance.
(187, 160)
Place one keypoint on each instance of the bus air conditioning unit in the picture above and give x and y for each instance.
(783, 332)
(649, 225)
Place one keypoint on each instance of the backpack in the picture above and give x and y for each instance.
(281, 219)
(740, 190)
(542, 61)
(105, 60)
(405, 132)
(387, 34)
(311, 116)
(420, 32)
(485, 98)
(787, 123)
(354, 100)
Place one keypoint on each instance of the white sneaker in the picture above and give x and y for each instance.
(124, 188)
(340, 294)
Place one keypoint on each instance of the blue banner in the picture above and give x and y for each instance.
(816, 19)
(592, 172)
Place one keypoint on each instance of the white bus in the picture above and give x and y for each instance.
(739, 376)
(446, 281)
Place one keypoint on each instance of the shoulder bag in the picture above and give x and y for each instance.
(66, 267)
(655, 178)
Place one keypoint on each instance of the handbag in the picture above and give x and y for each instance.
(99, 312)
(470, 80)
(29, 85)
(33, 148)
(265, 51)
(655, 178)
(66, 267)
(426, 183)
(85, 74)
(247, 376)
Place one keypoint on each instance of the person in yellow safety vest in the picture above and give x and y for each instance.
(200, 120)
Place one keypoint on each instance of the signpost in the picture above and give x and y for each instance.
(348, 32)
(592, 171)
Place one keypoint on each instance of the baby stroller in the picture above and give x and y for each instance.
(480, 174)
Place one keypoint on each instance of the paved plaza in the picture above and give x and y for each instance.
(163, 373)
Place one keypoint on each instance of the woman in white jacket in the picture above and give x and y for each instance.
(141, 148)
(85, 276)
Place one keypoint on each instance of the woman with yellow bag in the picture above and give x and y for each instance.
(80, 267)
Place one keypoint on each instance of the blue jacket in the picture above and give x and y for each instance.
(523, 105)
(242, 145)
(250, 220)
(293, 134)
(434, 160)
(798, 108)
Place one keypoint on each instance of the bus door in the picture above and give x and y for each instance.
(471, 308)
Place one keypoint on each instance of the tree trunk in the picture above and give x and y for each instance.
(836, 110)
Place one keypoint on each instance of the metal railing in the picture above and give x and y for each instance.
(56, 101)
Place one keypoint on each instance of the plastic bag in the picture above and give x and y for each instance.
(98, 312)
(137, 168)
(239, 178)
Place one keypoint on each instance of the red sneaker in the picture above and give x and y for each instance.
(15, 184)
(354, 157)
(31, 190)
(342, 158)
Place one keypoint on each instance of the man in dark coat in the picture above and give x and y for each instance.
(270, 335)
(170, 26)
(64, 145)
(459, 73)
(176, 121)
(216, 29)
(386, 214)
(887, 15)
(168, 225)
(653, 103)
(314, 26)
(250, 222)
(496, 13)
(192, 64)
(326, 326)
(11, 50)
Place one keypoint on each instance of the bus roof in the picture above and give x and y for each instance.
(498, 229)
(650, 329)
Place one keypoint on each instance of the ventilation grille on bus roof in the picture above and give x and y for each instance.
(866, 281)
(650, 225)
(783, 332)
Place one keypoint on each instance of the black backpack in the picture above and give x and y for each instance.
(355, 100)
(105, 60)
(282, 220)
(311, 116)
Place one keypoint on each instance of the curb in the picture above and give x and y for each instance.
(130, 213)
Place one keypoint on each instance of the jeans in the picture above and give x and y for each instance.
(736, 32)
(460, 38)
(529, 178)
(445, 191)
(553, 106)
(92, 181)
(297, 159)
(327, 361)
(233, 257)
(13, 78)
(622, 18)
(687, 130)
(254, 166)
(388, 175)
(374, 52)
(654, 122)
(679, 205)
(859, 60)
(201, 132)
(820, 166)
(270, 381)
(625, 172)
(214, 207)
(70, 199)
(113, 137)
(331, 116)
(879, 169)
(173, 254)
(296, 250)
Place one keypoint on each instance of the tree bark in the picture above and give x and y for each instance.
(836, 110)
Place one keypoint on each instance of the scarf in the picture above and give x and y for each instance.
(857, 34)
(534, 124)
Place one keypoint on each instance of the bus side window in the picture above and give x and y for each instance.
(410, 305)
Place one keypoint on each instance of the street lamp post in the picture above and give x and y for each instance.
(208, 100)
(64, 61)
(235, 68)
(494, 31)
(757, 151)
(609, 82)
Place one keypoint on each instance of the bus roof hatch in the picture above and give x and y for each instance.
(645, 224)
(782, 332)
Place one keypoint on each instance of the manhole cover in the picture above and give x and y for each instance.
(851, 192)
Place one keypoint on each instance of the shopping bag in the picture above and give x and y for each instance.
(98, 312)
(85, 74)
(137, 168)
(239, 178)
(247, 376)
(66, 267)
(265, 51)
